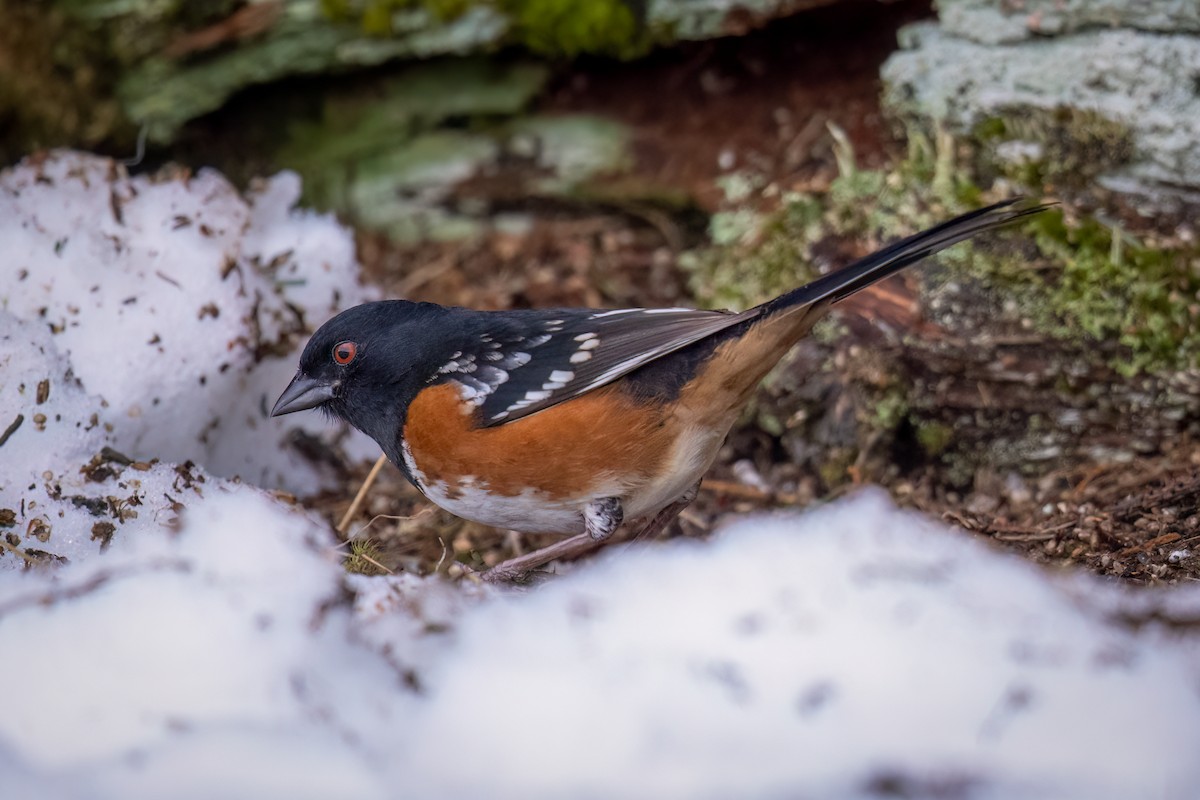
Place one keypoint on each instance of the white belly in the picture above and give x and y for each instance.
(692, 455)
(532, 511)
(528, 512)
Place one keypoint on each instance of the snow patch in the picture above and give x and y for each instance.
(829, 654)
(819, 655)
(177, 302)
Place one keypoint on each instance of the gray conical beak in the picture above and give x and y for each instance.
(303, 392)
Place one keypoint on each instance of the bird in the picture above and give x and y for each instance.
(571, 421)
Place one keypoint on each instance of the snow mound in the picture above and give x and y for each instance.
(856, 651)
(177, 302)
(205, 664)
(65, 495)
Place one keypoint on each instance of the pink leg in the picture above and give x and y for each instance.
(664, 518)
(601, 519)
(514, 568)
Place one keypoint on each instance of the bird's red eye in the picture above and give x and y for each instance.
(344, 352)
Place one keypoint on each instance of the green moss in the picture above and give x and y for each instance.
(934, 437)
(922, 189)
(363, 558)
(547, 27)
(377, 19)
(757, 257)
(1113, 286)
(377, 16)
(835, 469)
(770, 423)
(1094, 282)
(570, 28)
(991, 129)
(1066, 147)
(890, 409)
(1101, 284)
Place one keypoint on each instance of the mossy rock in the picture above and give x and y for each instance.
(1047, 342)
(1063, 147)
(1114, 107)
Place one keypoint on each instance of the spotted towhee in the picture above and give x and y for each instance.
(570, 420)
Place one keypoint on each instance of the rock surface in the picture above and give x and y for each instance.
(1107, 87)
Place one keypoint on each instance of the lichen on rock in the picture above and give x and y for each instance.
(1118, 106)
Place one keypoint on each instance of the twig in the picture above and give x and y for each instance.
(373, 562)
(16, 551)
(843, 150)
(140, 153)
(11, 429)
(358, 498)
(168, 278)
(377, 517)
(1145, 547)
(741, 491)
(1024, 537)
(441, 560)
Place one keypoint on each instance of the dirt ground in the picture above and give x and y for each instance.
(761, 101)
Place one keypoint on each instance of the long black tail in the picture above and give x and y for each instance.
(895, 257)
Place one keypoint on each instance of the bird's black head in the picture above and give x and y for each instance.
(368, 362)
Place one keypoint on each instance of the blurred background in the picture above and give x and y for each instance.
(1040, 387)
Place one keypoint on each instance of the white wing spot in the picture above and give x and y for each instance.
(458, 364)
(583, 337)
(493, 376)
(590, 344)
(580, 357)
(541, 338)
(475, 382)
(517, 359)
(615, 311)
(561, 375)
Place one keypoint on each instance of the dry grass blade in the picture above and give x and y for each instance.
(360, 496)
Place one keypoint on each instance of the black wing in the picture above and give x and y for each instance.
(521, 362)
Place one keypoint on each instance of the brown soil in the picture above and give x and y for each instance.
(760, 101)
